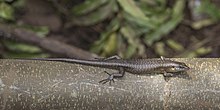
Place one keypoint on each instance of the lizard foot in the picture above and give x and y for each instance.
(109, 79)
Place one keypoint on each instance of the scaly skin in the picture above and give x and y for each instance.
(134, 66)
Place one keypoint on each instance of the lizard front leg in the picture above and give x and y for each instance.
(109, 58)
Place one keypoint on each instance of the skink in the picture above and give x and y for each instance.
(134, 66)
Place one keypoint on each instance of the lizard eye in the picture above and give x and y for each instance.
(173, 68)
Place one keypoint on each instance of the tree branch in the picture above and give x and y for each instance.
(55, 85)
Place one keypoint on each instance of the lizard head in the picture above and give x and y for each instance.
(176, 67)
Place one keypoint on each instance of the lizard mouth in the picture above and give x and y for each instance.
(184, 68)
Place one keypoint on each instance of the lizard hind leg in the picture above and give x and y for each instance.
(109, 79)
(112, 76)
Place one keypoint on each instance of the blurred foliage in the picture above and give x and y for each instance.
(197, 48)
(198, 52)
(132, 26)
(210, 9)
(174, 45)
(138, 24)
(7, 13)
(8, 7)
(92, 11)
(206, 12)
(87, 6)
(20, 50)
(131, 21)
(40, 31)
(160, 49)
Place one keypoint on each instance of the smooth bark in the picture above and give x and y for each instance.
(53, 85)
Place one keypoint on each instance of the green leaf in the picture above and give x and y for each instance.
(111, 45)
(151, 37)
(6, 11)
(88, 6)
(19, 3)
(202, 23)
(128, 32)
(162, 17)
(130, 7)
(139, 30)
(165, 28)
(94, 17)
(20, 50)
(131, 50)
(152, 7)
(98, 46)
(178, 8)
(175, 45)
(21, 47)
(135, 14)
(198, 52)
(134, 44)
(160, 49)
(41, 31)
(203, 50)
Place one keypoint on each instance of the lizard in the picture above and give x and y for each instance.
(135, 66)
